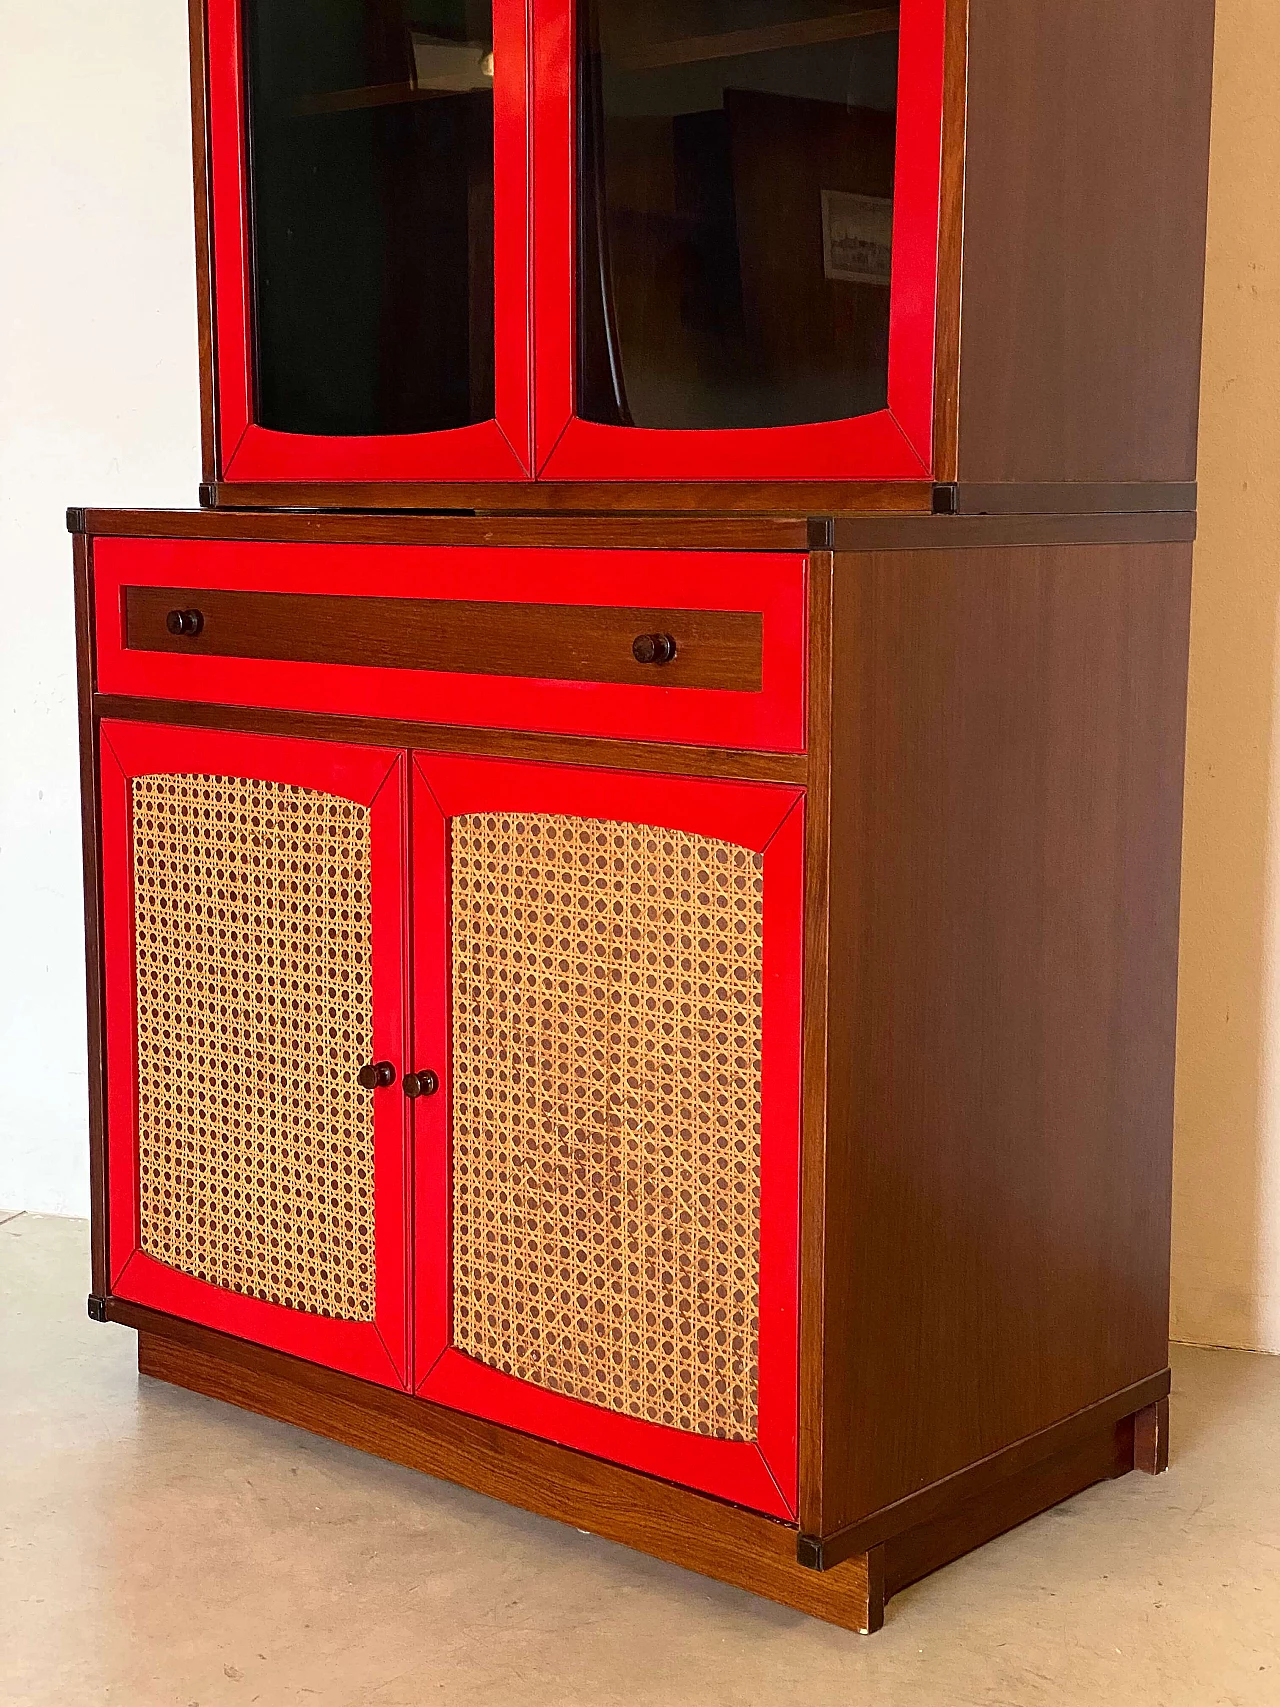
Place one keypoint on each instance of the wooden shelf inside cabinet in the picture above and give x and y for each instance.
(633, 54)
(466, 68)
(358, 100)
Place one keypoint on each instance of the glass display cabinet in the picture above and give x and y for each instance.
(632, 841)
(433, 222)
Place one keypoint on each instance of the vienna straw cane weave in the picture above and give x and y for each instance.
(606, 1096)
(254, 1000)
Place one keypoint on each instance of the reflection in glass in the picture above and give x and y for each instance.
(371, 195)
(735, 239)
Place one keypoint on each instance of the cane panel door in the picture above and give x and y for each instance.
(607, 992)
(254, 918)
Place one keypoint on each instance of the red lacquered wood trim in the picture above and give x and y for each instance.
(777, 1431)
(913, 311)
(895, 444)
(774, 585)
(230, 226)
(433, 1048)
(553, 260)
(491, 450)
(872, 447)
(768, 820)
(91, 845)
(378, 1351)
(482, 452)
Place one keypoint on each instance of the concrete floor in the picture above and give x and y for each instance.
(162, 1549)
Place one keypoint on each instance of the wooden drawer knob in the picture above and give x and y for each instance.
(653, 648)
(377, 1076)
(185, 622)
(421, 1084)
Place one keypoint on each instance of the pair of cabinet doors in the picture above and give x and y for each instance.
(565, 1197)
(581, 240)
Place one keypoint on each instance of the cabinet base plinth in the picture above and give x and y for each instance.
(700, 1534)
(704, 1535)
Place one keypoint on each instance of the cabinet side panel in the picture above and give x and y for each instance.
(1085, 207)
(1008, 733)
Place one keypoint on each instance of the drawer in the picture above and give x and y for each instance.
(706, 648)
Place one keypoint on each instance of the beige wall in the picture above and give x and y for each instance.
(1226, 1271)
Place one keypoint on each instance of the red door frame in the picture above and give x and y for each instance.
(769, 820)
(499, 449)
(373, 777)
(895, 444)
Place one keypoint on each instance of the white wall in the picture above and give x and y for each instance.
(98, 405)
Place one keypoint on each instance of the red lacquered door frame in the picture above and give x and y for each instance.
(491, 450)
(378, 1351)
(894, 444)
(768, 820)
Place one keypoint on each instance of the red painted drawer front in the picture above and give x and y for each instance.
(565, 1140)
(254, 1187)
(753, 633)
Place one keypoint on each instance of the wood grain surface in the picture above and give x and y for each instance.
(1086, 187)
(577, 643)
(701, 1534)
(656, 757)
(1007, 768)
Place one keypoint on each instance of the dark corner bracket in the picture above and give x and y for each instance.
(945, 500)
(822, 533)
(77, 521)
(809, 1552)
(208, 496)
(97, 1308)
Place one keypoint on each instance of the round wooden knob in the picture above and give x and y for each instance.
(421, 1084)
(184, 622)
(376, 1076)
(653, 648)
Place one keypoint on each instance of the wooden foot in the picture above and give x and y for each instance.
(1151, 1439)
(873, 1616)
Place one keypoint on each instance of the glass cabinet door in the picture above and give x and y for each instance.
(754, 241)
(371, 197)
(369, 193)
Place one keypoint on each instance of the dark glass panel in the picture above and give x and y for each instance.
(737, 208)
(371, 180)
